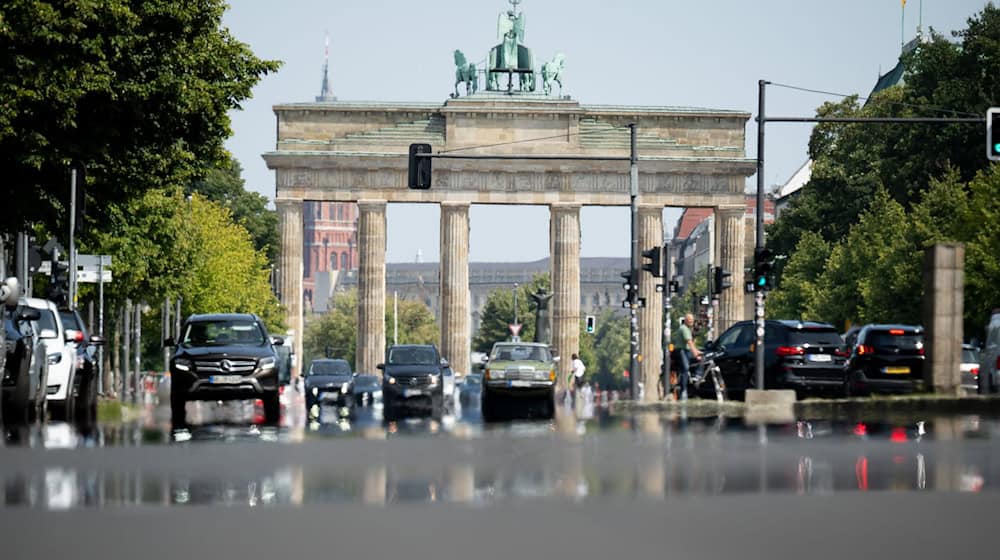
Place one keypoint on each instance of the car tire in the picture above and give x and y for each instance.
(17, 409)
(549, 406)
(488, 406)
(272, 408)
(86, 401)
(178, 412)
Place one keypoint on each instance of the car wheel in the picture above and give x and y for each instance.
(178, 412)
(489, 406)
(549, 406)
(272, 408)
(86, 407)
(18, 408)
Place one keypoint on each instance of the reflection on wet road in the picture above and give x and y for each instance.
(356, 456)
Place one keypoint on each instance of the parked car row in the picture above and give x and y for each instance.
(810, 357)
(49, 361)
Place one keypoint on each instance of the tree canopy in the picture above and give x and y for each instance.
(880, 194)
(138, 91)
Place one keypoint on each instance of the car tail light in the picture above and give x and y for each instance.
(998, 362)
(895, 331)
(920, 350)
(865, 349)
(790, 351)
(975, 372)
(898, 435)
(841, 352)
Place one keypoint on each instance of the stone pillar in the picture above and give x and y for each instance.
(731, 237)
(564, 233)
(651, 316)
(371, 286)
(944, 289)
(290, 270)
(455, 296)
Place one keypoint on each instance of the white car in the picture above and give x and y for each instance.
(60, 349)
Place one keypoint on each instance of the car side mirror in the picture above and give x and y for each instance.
(380, 366)
(486, 359)
(97, 340)
(169, 342)
(29, 314)
(444, 363)
(277, 341)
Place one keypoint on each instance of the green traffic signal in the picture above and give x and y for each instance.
(996, 148)
(762, 281)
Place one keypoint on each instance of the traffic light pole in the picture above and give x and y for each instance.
(633, 295)
(72, 238)
(759, 241)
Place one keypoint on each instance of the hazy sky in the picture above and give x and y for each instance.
(695, 53)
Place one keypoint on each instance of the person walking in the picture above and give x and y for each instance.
(577, 371)
(686, 351)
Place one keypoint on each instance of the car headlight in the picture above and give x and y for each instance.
(434, 379)
(391, 380)
(55, 358)
(344, 388)
(182, 365)
(266, 364)
(498, 374)
(541, 375)
(315, 391)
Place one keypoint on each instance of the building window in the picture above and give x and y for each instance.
(340, 212)
(344, 265)
(307, 265)
(333, 260)
(319, 210)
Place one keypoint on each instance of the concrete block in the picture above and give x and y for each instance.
(771, 397)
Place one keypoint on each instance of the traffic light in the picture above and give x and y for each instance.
(721, 280)
(655, 264)
(420, 167)
(58, 291)
(993, 134)
(590, 323)
(763, 262)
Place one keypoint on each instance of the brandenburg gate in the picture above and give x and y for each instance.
(357, 152)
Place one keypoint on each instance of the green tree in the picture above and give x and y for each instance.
(337, 329)
(799, 287)
(137, 90)
(224, 185)
(498, 313)
(611, 350)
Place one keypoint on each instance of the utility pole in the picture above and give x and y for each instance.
(515, 303)
(758, 314)
(633, 295)
(100, 324)
(72, 237)
(395, 318)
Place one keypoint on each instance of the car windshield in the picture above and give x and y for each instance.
(225, 332)
(69, 320)
(518, 352)
(366, 382)
(815, 337)
(330, 367)
(47, 321)
(413, 355)
(970, 355)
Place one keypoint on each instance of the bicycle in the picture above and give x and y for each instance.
(710, 371)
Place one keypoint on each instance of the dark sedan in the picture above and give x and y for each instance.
(367, 390)
(329, 381)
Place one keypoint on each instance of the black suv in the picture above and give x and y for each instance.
(413, 374)
(329, 381)
(224, 357)
(800, 355)
(885, 358)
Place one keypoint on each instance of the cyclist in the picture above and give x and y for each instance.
(688, 354)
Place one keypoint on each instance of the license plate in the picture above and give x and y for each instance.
(897, 370)
(328, 397)
(225, 379)
(519, 383)
(819, 357)
(412, 392)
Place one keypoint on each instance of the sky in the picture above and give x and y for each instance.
(630, 52)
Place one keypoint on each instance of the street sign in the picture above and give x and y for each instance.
(93, 261)
(88, 276)
(515, 329)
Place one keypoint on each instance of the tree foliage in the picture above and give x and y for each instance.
(334, 333)
(881, 194)
(136, 90)
(224, 185)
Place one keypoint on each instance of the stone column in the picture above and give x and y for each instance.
(564, 233)
(944, 289)
(651, 316)
(731, 236)
(455, 296)
(371, 286)
(290, 271)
